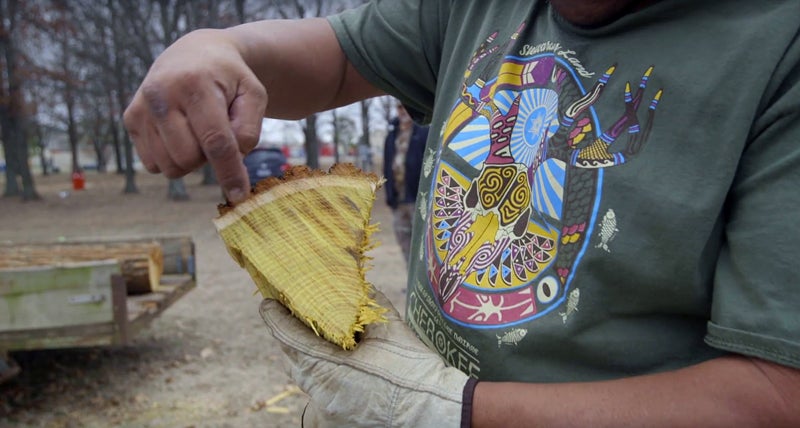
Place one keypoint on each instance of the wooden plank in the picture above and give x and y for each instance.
(142, 310)
(100, 334)
(178, 255)
(119, 300)
(56, 296)
(178, 250)
(141, 261)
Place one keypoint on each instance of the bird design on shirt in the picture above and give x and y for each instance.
(518, 179)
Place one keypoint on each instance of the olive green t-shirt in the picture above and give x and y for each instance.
(597, 203)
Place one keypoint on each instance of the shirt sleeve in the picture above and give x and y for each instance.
(396, 46)
(756, 299)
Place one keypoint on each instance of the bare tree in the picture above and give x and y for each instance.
(289, 9)
(170, 13)
(388, 104)
(67, 76)
(336, 135)
(89, 60)
(118, 38)
(13, 115)
(205, 14)
(345, 131)
(95, 48)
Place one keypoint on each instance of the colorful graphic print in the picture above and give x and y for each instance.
(516, 197)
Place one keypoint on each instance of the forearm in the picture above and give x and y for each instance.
(730, 391)
(301, 65)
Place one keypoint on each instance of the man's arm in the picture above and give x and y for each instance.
(205, 96)
(724, 392)
(409, 385)
(301, 65)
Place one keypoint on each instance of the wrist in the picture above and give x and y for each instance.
(466, 402)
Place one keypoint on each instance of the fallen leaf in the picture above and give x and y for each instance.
(290, 390)
(206, 353)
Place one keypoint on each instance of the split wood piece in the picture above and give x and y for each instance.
(141, 263)
(303, 241)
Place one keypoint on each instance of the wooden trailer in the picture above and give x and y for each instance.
(88, 293)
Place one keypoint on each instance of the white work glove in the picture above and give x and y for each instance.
(391, 379)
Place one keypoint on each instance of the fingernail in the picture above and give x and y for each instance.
(236, 195)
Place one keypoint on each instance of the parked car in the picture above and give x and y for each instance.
(265, 162)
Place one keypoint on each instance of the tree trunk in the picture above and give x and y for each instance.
(15, 145)
(336, 136)
(72, 130)
(113, 130)
(389, 104)
(13, 188)
(99, 152)
(239, 6)
(17, 167)
(99, 141)
(365, 122)
(176, 191)
(365, 151)
(44, 162)
(209, 177)
(130, 173)
(119, 71)
(312, 143)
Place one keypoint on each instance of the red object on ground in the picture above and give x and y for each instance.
(78, 180)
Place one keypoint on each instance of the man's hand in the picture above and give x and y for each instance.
(390, 379)
(199, 102)
(205, 96)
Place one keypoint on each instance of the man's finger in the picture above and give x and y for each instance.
(181, 147)
(139, 135)
(140, 143)
(158, 150)
(208, 119)
(247, 112)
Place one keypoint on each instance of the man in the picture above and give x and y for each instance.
(403, 151)
(609, 235)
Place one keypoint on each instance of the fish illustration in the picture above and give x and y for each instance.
(421, 252)
(511, 337)
(572, 304)
(608, 230)
(423, 207)
(427, 163)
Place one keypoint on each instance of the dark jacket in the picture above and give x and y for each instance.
(413, 164)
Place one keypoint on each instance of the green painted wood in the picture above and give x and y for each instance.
(56, 296)
(36, 313)
(59, 337)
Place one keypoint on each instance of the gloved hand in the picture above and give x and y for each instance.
(391, 379)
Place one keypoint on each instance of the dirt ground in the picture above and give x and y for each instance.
(207, 361)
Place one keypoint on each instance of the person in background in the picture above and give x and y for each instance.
(364, 153)
(403, 152)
